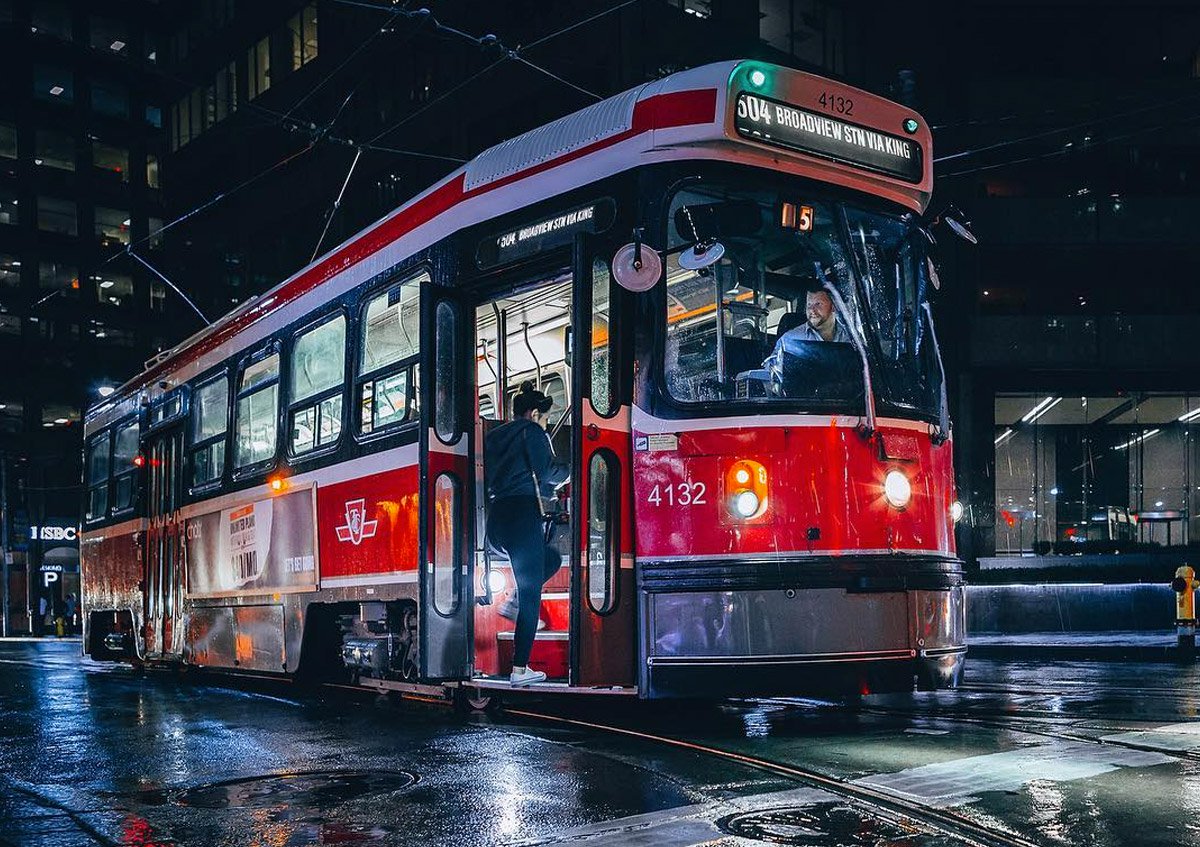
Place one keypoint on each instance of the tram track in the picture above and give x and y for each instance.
(887, 806)
(1009, 721)
(883, 805)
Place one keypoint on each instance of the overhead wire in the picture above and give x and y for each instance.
(1071, 128)
(487, 42)
(1073, 149)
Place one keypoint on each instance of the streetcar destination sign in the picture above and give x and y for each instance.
(772, 122)
(545, 233)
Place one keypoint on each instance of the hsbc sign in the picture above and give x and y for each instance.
(53, 533)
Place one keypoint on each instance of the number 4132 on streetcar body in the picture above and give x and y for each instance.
(722, 278)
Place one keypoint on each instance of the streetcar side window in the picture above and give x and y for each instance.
(98, 462)
(386, 380)
(255, 417)
(318, 375)
(210, 421)
(603, 551)
(603, 400)
(124, 467)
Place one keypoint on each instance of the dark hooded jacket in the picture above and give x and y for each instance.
(511, 451)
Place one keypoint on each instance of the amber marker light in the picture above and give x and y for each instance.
(746, 489)
(277, 484)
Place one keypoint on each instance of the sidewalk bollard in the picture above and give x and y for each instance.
(1185, 585)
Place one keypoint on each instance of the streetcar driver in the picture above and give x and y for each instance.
(821, 324)
(520, 468)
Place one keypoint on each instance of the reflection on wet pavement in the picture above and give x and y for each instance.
(1104, 755)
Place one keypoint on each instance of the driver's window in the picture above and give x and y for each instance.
(740, 268)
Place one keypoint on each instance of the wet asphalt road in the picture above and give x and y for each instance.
(1099, 754)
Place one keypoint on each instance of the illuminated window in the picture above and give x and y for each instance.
(258, 64)
(391, 345)
(113, 289)
(112, 226)
(210, 420)
(10, 271)
(257, 411)
(112, 161)
(124, 466)
(53, 275)
(318, 375)
(158, 297)
(55, 149)
(152, 171)
(303, 29)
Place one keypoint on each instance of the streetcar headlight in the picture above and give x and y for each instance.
(745, 504)
(956, 511)
(496, 582)
(897, 489)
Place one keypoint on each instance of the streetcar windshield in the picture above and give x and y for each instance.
(774, 296)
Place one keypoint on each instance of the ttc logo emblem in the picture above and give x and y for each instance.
(357, 526)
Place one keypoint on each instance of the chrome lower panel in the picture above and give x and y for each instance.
(791, 640)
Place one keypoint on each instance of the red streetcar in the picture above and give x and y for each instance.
(722, 277)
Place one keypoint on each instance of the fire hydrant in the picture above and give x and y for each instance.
(1185, 585)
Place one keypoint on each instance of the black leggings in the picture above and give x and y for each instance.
(515, 526)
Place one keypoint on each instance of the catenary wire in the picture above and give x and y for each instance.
(1073, 149)
(1059, 130)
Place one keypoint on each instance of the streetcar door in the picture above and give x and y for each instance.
(447, 546)
(603, 622)
(163, 456)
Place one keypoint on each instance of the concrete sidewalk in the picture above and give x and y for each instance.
(1112, 646)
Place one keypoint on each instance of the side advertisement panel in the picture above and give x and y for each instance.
(265, 547)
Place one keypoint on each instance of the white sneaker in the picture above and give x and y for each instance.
(510, 607)
(525, 676)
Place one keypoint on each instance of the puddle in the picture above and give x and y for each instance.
(315, 788)
(830, 824)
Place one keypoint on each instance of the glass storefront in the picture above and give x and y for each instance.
(1096, 473)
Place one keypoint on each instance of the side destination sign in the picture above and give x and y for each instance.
(545, 233)
(787, 126)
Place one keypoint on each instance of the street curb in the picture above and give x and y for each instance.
(1064, 653)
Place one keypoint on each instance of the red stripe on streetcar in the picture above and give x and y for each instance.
(663, 111)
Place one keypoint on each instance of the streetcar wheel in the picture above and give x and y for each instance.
(407, 645)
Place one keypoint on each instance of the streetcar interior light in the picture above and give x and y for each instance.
(745, 504)
(757, 78)
(496, 581)
(897, 489)
(956, 511)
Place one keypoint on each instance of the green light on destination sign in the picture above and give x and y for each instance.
(757, 78)
(911, 125)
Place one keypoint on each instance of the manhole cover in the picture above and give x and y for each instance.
(821, 824)
(315, 788)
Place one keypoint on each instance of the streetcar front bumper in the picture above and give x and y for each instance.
(807, 635)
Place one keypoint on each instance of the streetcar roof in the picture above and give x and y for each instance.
(681, 116)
